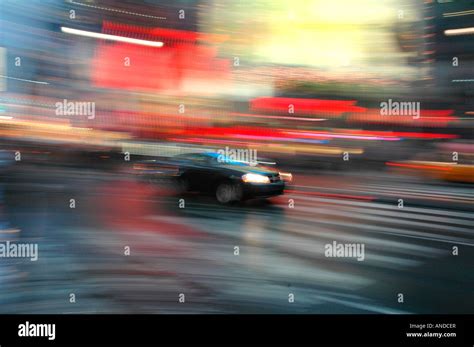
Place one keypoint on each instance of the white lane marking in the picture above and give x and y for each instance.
(406, 215)
(361, 306)
(376, 205)
(395, 232)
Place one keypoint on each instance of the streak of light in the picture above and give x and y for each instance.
(111, 37)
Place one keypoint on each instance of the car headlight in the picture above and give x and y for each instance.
(255, 178)
(286, 176)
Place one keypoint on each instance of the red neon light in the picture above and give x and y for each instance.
(305, 106)
(178, 63)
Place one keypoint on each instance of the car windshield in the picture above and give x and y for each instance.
(223, 159)
(213, 158)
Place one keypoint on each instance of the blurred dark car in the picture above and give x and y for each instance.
(227, 179)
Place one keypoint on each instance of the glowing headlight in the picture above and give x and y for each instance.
(255, 178)
(286, 176)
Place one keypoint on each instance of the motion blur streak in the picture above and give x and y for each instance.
(111, 37)
(350, 121)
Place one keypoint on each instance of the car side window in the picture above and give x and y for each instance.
(212, 161)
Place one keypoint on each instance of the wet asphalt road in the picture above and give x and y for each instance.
(191, 250)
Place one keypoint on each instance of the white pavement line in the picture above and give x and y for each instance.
(365, 307)
(427, 190)
(367, 217)
(395, 190)
(377, 205)
(396, 232)
(402, 214)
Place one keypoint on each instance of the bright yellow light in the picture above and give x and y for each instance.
(331, 34)
(255, 178)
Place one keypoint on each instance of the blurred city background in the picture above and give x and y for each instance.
(303, 83)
